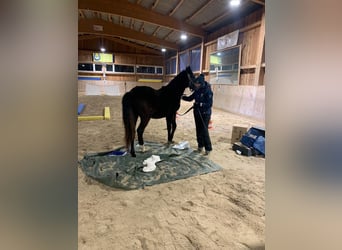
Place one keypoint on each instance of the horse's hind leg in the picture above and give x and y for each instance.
(141, 128)
(132, 149)
(171, 127)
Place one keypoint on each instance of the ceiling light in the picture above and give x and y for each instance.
(163, 49)
(183, 37)
(234, 2)
(103, 49)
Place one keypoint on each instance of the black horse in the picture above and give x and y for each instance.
(146, 103)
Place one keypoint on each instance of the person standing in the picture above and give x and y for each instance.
(203, 97)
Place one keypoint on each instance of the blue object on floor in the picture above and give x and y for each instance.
(259, 144)
(80, 108)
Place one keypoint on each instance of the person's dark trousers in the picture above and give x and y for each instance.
(202, 133)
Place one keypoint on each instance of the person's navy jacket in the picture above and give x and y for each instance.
(203, 99)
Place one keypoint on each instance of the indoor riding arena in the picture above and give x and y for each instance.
(188, 200)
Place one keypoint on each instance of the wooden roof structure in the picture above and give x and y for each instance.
(147, 26)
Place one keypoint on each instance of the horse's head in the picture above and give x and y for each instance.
(190, 76)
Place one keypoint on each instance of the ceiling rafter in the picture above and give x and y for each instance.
(131, 24)
(176, 8)
(87, 37)
(198, 11)
(142, 27)
(81, 14)
(154, 5)
(155, 31)
(226, 13)
(127, 9)
(110, 29)
(258, 2)
(167, 35)
(134, 45)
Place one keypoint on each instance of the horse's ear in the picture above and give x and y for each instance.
(188, 69)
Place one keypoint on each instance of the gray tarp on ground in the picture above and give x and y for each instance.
(126, 172)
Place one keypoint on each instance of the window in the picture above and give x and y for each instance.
(171, 66)
(225, 66)
(109, 67)
(146, 69)
(85, 67)
(183, 61)
(195, 59)
(98, 67)
(159, 70)
(124, 68)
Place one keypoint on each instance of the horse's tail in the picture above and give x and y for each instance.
(129, 119)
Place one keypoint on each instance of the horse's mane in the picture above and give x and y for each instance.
(178, 82)
(177, 78)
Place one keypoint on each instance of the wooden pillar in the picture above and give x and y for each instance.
(260, 48)
(202, 55)
(177, 64)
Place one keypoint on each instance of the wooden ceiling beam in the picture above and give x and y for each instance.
(167, 35)
(258, 2)
(109, 29)
(154, 5)
(131, 10)
(226, 13)
(142, 27)
(176, 8)
(155, 31)
(198, 11)
(87, 37)
(131, 23)
(81, 14)
(131, 44)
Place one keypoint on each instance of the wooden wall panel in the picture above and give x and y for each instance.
(249, 40)
(110, 87)
(120, 58)
(247, 76)
(124, 59)
(85, 56)
(150, 60)
(208, 50)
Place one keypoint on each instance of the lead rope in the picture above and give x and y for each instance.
(186, 111)
(199, 112)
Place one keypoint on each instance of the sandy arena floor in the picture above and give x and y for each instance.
(221, 210)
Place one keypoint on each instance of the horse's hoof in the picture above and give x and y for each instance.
(141, 148)
(133, 155)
